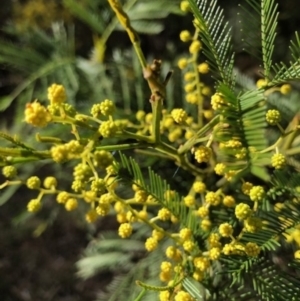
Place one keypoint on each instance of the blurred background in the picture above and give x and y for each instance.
(79, 44)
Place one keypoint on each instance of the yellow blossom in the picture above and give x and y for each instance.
(57, 94)
(36, 114)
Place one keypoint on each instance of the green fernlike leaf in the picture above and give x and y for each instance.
(245, 120)
(284, 73)
(85, 14)
(130, 172)
(47, 69)
(216, 36)
(261, 24)
(266, 280)
(195, 289)
(265, 13)
(89, 266)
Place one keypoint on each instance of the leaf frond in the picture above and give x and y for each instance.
(264, 13)
(86, 14)
(158, 188)
(262, 277)
(244, 118)
(216, 36)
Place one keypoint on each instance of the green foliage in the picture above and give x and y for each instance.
(284, 72)
(42, 59)
(157, 188)
(220, 236)
(125, 259)
(265, 15)
(215, 34)
(145, 15)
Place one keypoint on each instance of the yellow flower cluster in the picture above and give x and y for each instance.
(203, 154)
(246, 187)
(278, 161)
(220, 169)
(229, 201)
(37, 115)
(243, 211)
(71, 204)
(106, 108)
(50, 183)
(218, 101)
(125, 230)
(199, 187)
(261, 83)
(57, 94)
(225, 230)
(257, 193)
(185, 36)
(196, 245)
(64, 152)
(91, 216)
(285, 89)
(33, 182)
(108, 129)
(34, 205)
(179, 115)
(212, 198)
(273, 117)
(203, 68)
(9, 171)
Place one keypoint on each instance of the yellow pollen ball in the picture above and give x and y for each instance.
(185, 36)
(285, 89)
(36, 114)
(203, 68)
(182, 63)
(57, 94)
(184, 6)
(195, 47)
(71, 204)
(151, 244)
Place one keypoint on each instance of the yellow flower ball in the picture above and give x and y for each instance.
(184, 6)
(183, 296)
(57, 94)
(182, 63)
(261, 83)
(185, 233)
(91, 216)
(225, 230)
(34, 205)
(257, 193)
(193, 98)
(188, 76)
(273, 117)
(185, 36)
(179, 115)
(203, 68)
(285, 89)
(9, 171)
(164, 296)
(71, 204)
(125, 230)
(189, 201)
(278, 161)
(36, 114)
(151, 244)
(195, 47)
(297, 254)
(229, 201)
(199, 187)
